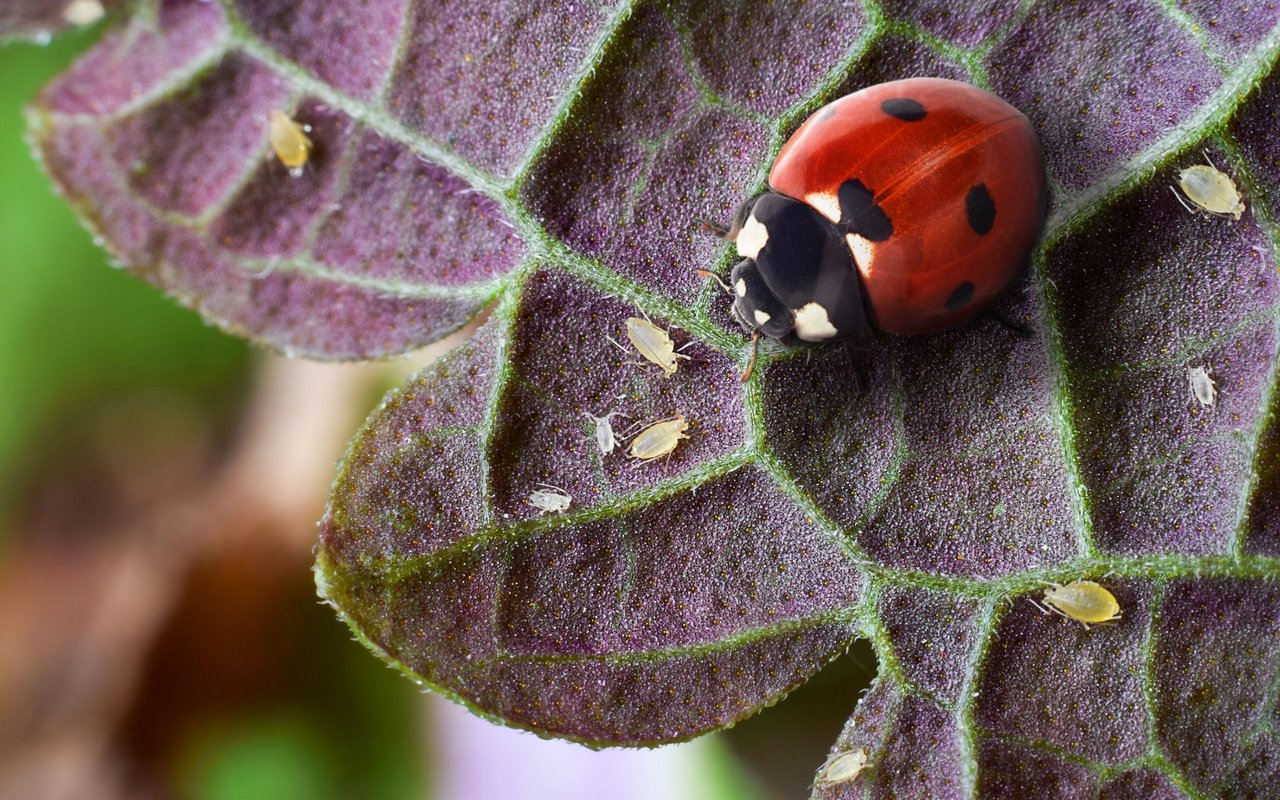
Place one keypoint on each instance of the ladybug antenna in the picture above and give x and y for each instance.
(715, 229)
(706, 273)
(751, 364)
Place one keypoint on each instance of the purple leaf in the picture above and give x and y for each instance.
(553, 163)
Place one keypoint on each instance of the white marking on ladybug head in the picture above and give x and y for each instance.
(813, 324)
(828, 205)
(761, 316)
(752, 238)
(740, 288)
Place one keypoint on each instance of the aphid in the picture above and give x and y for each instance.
(289, 140)
(654, 344)
(555, 501)
(1210, 191)
(843, 766)
(83, 12)
(1203, 389)
(659, 439)
(1083, 601)
(606, 439)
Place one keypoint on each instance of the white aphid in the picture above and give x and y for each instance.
(1203, 389)
(659, 439)
(606, 439)
(654, 344)
(1210, 191)
(843, 766)
(555, 501)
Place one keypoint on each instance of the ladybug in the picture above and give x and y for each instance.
(908, 206)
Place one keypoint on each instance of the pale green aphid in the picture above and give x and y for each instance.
(289, 141)
(842, 767)
(654, 344)
(1210, 191)
(659, 439)
(1083, 601)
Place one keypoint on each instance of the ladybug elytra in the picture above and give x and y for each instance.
(908, 206)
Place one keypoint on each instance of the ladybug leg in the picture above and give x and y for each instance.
(1015, 296)
(851, 352)
(751, 364)
(739, 219)
(1011, 325)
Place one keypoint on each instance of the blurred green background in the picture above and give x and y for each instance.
(84, 345)
(74, 331)
(246, 687)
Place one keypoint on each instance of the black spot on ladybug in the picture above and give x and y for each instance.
(980, 208)
(859, 213)
(960, 296)
(903, 108)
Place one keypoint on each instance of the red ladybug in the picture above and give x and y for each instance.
(909, 206)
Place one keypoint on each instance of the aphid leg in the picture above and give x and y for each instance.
(1033, 602)
(606, 417)
(1055, 610)
(1210, 160)
(630, 363)
(751, 362)
(633, 430)
(1184, 204)
(706, 273)
(614, 342)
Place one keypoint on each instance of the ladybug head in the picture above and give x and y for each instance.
(797, 276)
